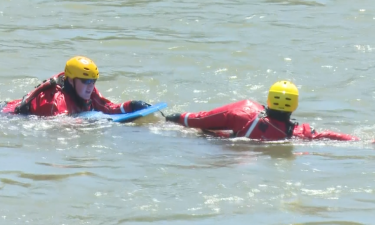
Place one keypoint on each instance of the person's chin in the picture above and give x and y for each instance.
(86, 97)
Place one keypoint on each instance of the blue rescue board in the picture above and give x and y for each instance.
(124, 116)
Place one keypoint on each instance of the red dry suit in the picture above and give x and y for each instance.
(247, 119)
(55, 100)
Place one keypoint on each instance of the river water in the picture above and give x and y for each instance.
(194, 55)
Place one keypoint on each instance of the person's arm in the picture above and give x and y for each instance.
(219, 133)
(104, 105)
(228, 117)
(306, 132)
(9, 107)
(211, 120)
(334, 136)
(47, 103)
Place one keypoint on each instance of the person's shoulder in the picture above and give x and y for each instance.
(52, 92)
(58, 74)
(252, 103)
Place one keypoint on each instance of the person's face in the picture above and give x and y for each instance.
(84, 87)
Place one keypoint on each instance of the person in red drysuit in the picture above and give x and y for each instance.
(250, 119)
(70, 92)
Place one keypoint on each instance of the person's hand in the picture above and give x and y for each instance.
(173, 117)
(138, 105)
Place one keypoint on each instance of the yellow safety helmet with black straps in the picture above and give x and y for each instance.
(283, 96)
(81, 67)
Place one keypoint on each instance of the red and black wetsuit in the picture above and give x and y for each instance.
(247, 119)
(62, 99)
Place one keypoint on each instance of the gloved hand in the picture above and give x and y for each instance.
(138, 105)
(173, 117)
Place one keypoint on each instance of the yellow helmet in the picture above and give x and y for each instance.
(283, 96)
(81, 67)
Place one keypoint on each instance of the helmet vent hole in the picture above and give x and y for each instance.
(276, 103)
(288, 99)
(277, 97)
(286, 105)
(86, 68)
(86, 74)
